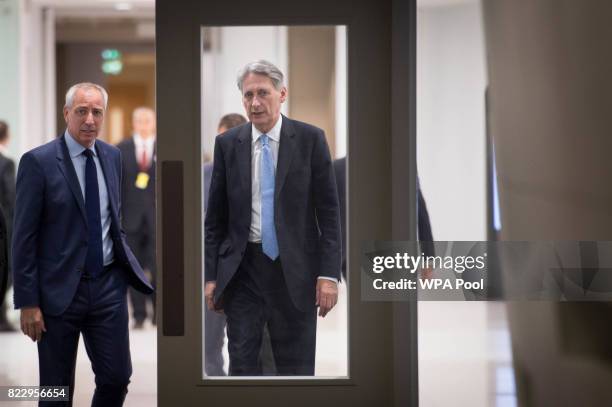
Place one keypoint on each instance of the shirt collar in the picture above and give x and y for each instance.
(274, 133)
(138, 140)
(74, 148)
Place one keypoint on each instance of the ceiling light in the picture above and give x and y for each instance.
(123, 6)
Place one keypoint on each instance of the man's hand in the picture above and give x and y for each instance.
(209, 295)
(327, 295)
(32, 323)
(426, 273)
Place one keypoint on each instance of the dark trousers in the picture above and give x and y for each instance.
(142, 244)
(99, 312)
(214, 337)
(3, 307)
(256, 296)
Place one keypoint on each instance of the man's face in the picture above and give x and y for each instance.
(85, 117)
(262, 101)
(144, 123)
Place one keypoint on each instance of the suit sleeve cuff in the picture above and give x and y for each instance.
(335, 280)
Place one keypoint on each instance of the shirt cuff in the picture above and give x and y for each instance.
(335, 280)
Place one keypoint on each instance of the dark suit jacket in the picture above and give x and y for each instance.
(306, 211)
(208, 167)
(424, 231)
(138, 204)
(7, 188)
(50, 233)
(425, 235)
(4, 263)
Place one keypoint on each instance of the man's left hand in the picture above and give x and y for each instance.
(426, 273)
(327, 295)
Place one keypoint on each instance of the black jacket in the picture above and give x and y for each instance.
(138, 204)
(306, 210)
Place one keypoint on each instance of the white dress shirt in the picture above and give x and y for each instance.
(147, 144)
(79, 160)
(274, 142)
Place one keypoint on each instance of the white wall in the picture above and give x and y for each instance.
(27, 74)
(341, 79)
(9, 69)
(451, 81)
(453, 343)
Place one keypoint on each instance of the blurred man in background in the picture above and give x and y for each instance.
(138, 189)
(214, 322)
(424, 234)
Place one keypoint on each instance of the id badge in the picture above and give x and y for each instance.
(142, 180)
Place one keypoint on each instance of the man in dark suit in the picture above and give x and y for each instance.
(272, 230)
(4, 263)
(71, 262)
(138, 193)
(214, 322)
(7, 204)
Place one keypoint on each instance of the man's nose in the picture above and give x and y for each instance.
(256, 101)
(90, 118)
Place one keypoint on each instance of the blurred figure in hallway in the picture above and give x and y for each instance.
(138, 191)
(4, 266)
(214, 322)
(424, 234)
(7, 206)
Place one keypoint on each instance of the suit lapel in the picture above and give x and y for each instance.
(153, 160)
(131, 156)
(107, 170)
(132, 163)
(243, 155)
(67, 169)
(285, 155)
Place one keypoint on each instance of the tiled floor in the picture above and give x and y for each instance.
(464, 358)
(19, 366)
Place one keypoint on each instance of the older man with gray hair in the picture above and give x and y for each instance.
(71, 262)
(272, 230)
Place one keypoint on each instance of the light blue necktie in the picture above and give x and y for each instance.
(266, 175)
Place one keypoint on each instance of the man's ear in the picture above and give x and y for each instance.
(283, 94)
(66, 111)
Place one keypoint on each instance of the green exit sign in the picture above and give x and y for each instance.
(111, 61)
(109, 54)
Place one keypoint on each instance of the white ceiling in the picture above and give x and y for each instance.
(99, 8)
(141, 8)
(150, 4)
(443, 3)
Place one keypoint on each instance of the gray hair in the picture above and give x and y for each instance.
(265, 68)
(142, 109)
(85, 85)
